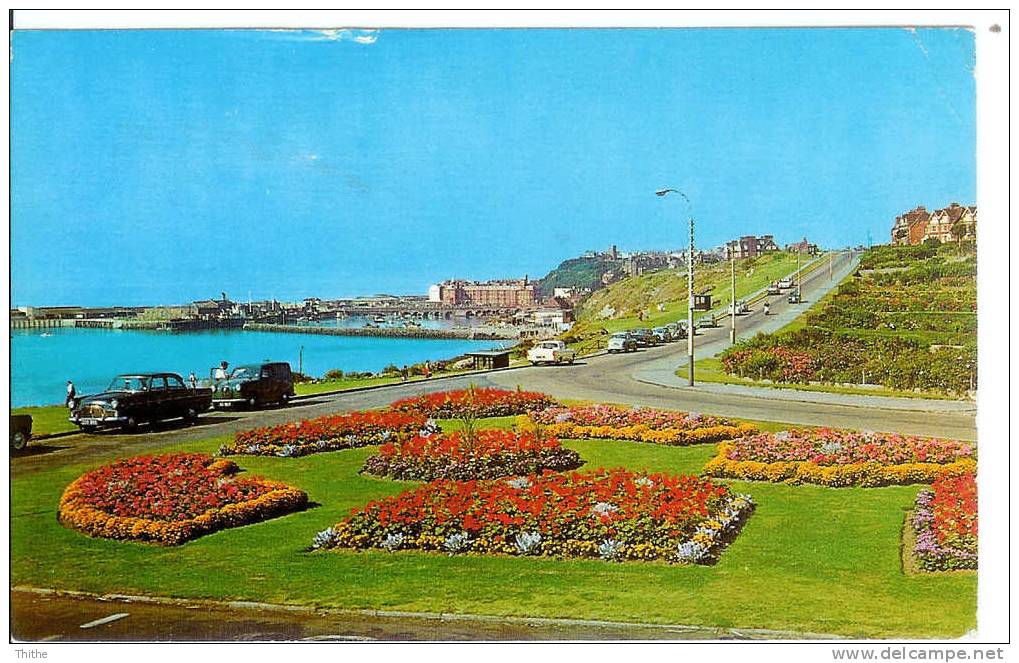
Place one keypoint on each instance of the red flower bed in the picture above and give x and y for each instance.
(612, 514)
(474, 402)
(487, 455)
(341, 431)
(171, 499)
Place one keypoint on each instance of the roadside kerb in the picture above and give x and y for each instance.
(437, 616)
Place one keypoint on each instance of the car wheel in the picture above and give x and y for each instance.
(19, 441)
(570, 361)
(284, 399)
(191, 416)
(131, 425)
(252, 402)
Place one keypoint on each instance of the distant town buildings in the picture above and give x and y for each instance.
(519, 293)
(955, 222)
(803, 246)
(750, 246)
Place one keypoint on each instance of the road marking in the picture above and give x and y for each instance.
(105, 620)
(355, 638)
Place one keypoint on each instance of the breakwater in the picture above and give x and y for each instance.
(474, 333)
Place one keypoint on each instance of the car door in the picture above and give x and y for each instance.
(177, 397)
(156, 399)
(266, 385)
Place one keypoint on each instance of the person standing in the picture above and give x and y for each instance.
(428, 370)
(71, 393)
(220, 371)
(404, 372)
(193, 380)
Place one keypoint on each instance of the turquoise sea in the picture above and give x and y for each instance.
(42, 360)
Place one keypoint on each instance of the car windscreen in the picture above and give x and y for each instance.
(128, 383)
(245, 372)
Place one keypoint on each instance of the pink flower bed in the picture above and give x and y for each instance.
(826, 446)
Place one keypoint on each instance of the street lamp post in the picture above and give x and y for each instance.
(799, 277)
(689, 286)
(732, 331)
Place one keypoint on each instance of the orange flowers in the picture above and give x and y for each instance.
(171, 499)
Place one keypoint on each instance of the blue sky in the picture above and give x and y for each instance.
(157, 167)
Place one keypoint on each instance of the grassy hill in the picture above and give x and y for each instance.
(655, 299)
(577, 273)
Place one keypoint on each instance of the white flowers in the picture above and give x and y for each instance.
(644, 481)
(611, 550)
(604, 509)
(324, 539)
(455, 543)
(690, 552)
(392, 541)
(527, 542)
(520, 483)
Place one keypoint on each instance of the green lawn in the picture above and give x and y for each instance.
(811, 559)
(47, 419)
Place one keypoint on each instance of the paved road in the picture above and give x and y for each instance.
(645, 378)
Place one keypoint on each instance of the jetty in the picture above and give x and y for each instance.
(474, 333)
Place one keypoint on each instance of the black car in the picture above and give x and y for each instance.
(139, 398)
(21, 431)
(253, 385)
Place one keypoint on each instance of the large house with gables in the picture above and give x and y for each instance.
(955, 222)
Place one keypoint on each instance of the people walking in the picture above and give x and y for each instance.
(404, 372)
(428, 370)
(767, 308)
(71, 393)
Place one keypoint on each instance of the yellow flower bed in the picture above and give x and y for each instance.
(642, 433)
(866, 474)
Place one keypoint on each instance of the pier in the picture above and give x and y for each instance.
(472, 333)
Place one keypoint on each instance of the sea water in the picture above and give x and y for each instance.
(43, 360)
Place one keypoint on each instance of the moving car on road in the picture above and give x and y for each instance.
(138, 398)
(622, 342)
(774, 289)
(677, 329)
(253, 385)
(551, 352)
(794, 297)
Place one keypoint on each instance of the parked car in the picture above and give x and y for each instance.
(678, 329)
(253, 385)
(21, 431)
(707, 322)
(662, 334)
(551, 352)
(138, 398)
(774, 289)
(644, 337)
(622, 342)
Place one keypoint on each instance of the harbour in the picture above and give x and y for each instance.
(44, 358)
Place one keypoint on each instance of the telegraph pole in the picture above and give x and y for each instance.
(830, 254)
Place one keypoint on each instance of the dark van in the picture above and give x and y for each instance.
(253, 385)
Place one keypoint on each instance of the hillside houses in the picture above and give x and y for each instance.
(955, 222)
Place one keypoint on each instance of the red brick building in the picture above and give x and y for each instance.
(499, 294)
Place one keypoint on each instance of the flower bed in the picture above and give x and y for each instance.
(171, 499)
(487, 455)
(841, 458)
(638, 424)
(611, 514)
(474, 402)
(342, 431)
(944, 521)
